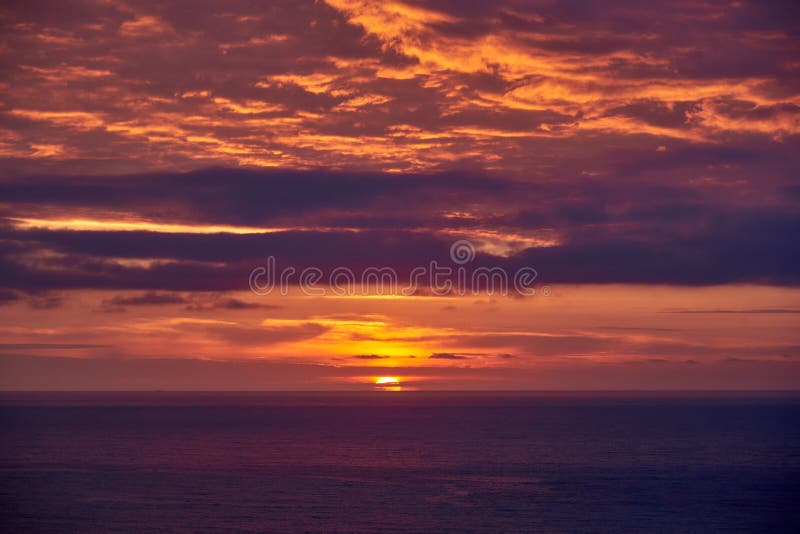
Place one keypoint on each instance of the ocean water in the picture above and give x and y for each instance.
(399, 462)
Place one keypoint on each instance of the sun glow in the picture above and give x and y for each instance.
(387, 380)
(388, 383)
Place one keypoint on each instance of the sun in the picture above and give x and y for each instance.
(387, 380)
(388, 383)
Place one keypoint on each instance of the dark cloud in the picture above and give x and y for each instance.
(680, 234)
(231, 304)
(146, 299)
(748, 246)
(44, 301)
(36, 298)
(234, 196)
(447, 356)
(8, 297)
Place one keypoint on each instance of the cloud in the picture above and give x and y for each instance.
(673, 227)
(36, 298)
(721, 246)
(8, 296)
(388, 86)
(447, 356)
(370, 357)
(230, 304)
(39, 300)
(150, 298)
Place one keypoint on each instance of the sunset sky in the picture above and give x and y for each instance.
(642, 157)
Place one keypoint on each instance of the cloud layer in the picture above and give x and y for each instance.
(207, 230)
(506, 86)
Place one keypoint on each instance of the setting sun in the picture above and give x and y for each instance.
(387, 381)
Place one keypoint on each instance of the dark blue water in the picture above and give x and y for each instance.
(156, 462)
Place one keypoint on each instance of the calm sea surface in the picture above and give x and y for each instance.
(399, 462)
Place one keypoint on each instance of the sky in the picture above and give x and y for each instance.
(638, 159)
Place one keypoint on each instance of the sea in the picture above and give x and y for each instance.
(400, 462)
